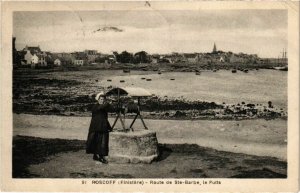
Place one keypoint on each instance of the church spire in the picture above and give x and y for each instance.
(215, 48)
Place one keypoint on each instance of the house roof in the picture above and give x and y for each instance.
(80, 55)
(33, 49)
(91, 52)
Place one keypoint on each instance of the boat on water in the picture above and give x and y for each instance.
(282, 68)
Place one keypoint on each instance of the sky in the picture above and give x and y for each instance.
(262, 32)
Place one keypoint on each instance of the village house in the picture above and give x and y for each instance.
(101, 58)
(34, 57)
(78, 62)
(30, 52)
(253, 58)
(91, 55)
(34, 61)
(205, 58)
(222, 59)
(27, 58)
(57, 62)
(178, 58)
(191, 57)
(234, 58)
(42, 59)
(154, 58)
(248, 58)
(80, 58)
(111, 59)
(165, 59)
(65, 58)
(33, 50)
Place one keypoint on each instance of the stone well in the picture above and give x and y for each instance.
(133, 147)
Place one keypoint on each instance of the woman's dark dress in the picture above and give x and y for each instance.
(98, 136)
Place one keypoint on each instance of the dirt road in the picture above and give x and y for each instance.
(255, 137)
(32, 158)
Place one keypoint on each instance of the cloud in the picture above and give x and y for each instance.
(106, 29)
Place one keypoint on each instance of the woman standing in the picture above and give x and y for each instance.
(98, 136)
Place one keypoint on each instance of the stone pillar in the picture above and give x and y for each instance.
(133, 147)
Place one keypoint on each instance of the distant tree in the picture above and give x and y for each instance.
(227, 59)
(125, 57)
(141, 57)
(100, 59)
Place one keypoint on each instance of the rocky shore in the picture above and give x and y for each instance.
(36, 95)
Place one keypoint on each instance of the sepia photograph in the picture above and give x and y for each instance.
(150, 93)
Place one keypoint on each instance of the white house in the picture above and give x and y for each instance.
(42, 59)
(154, 60)
(28, 57)
(111, 59)
(34, 61)
(222, 59)
(78, 62)
(57, 62)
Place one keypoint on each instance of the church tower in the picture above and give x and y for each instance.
(215, 48)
